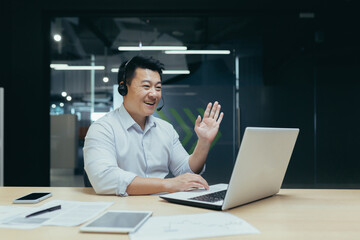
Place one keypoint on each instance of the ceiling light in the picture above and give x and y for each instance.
(307, 15)
(150, 48)
(53, 105)
(176, 72)
(115, 70)
(57, 37)
(61, 104)
(105, 79)
(68, 98)
(199, 52)
(55, 65)
(79, 68)
(64, 94)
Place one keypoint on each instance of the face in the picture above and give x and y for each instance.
(143, 95)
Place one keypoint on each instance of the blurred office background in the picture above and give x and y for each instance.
(281, 64)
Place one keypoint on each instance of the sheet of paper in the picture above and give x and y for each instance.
(193, 226)
(72, 213)
(10, 213)
(76, 213)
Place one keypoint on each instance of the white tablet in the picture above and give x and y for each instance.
(117, 222)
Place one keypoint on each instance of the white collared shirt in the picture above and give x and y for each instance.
(117, 150)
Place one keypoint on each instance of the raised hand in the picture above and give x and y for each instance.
(207, 128)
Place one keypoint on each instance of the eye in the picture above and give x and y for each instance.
(146, 86)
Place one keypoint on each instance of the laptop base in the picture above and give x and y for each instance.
(193, 204)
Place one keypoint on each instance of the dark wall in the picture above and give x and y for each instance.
(338, 124)
(338, 103)
(5, 42)
(309, 80)
(26, 97)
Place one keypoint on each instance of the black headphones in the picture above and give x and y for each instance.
(122, 89)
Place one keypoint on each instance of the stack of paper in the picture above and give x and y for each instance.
(72, 213)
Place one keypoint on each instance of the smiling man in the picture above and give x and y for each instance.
(130, 152)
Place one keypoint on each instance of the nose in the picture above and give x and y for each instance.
(153, 92)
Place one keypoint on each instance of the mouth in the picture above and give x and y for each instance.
(150, 103)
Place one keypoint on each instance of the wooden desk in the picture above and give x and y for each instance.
(292, 214)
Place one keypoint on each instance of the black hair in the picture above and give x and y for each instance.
(127, 69)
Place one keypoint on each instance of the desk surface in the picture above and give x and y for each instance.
(291, 214)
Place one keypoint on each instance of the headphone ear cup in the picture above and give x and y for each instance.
(122, 89)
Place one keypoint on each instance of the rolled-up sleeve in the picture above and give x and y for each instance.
(100, 162)
(179, 159)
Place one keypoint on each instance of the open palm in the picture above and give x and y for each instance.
(207, 128)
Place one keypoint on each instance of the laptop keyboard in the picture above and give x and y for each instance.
(211, 197)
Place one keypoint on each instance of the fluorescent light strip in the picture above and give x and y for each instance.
(199, 52)
(115, 70)
(54, 65)
(306, 15)
(151, 48)
(176, 72)
(79, 68)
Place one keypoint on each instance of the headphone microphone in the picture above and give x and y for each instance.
(159, 108)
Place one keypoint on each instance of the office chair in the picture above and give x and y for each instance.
(86, 180)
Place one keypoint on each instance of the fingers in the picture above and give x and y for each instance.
(207, 111)
(200, 181)
(195, 187)
(220, 118)
(217, 112)
(190, 181)
(214, 112)
(198, 121)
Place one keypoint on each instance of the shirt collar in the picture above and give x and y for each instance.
(150, 123)
(128, 121)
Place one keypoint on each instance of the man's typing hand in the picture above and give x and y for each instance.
(185, 182)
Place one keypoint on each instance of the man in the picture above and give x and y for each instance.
(130, 152)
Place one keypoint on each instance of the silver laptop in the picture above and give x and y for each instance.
(258, 173)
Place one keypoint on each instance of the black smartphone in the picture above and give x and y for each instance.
(33, 197)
